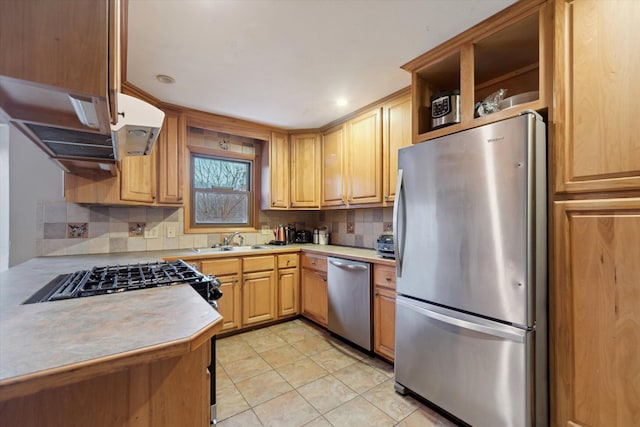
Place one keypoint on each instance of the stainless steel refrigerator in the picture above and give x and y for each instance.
(471, 264)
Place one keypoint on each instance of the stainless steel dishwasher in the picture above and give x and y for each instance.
(349, 289)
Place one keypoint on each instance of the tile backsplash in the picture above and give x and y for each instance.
(69, 229)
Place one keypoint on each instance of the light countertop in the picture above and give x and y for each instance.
(43, 342)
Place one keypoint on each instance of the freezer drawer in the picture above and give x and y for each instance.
(476, 369)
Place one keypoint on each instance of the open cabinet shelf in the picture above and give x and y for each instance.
(510, 51)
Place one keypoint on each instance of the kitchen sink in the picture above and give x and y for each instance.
(229, 248)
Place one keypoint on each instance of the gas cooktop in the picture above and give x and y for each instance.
(120, 278)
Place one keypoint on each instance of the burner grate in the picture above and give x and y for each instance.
(119, 278)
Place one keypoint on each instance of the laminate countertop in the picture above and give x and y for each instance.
(55, 343)
(49, 344)
(357, 254)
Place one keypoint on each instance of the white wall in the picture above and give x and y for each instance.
(32, 177)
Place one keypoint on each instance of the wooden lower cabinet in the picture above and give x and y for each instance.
(161, 393)
(594, 313)
(288, 285)
(314, 288)
(258, 297)
(259, 302)
(384, 311)
(228, 271)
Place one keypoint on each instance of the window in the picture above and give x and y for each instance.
(221, 191)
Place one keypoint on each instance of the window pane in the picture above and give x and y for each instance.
(218, 173)
(221, 208)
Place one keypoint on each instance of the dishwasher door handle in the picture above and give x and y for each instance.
(348, 266)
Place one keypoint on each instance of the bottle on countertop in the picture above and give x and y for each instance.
(316, 236)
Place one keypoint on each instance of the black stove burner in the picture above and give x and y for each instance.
(120, 278)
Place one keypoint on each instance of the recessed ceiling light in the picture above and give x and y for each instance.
(341, 102)
(163, 78)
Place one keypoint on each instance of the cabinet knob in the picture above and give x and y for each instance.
(313, 262)
(180, 198)
(288, 261)
(273, 203)
(376, 293)
(387, 278)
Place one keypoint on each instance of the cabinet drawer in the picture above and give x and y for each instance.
(384, 275)
(220, 267)
(314, 262)
(259, 263)
(287, 260)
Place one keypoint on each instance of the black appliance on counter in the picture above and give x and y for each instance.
(304, 236)
(384, 246)
(121, 278)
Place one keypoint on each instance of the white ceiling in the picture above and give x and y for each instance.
(285, 62)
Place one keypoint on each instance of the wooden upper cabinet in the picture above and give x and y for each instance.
(597, 96)
(138, 177)
(511, 50)
(275, 158)
(170, 160)
(58, 44)
(49, 50)
(333, 167)
(364, 136)
(396, 134)
(305, 170)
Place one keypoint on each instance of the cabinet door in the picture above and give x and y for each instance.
(288, 284)
(170, 159)
(314, 295)
(229, 306)
(597, 95)
(384, 322)
(333, 167)
(46, 42)
(365, 158)
(258, 297)
(396, 134)
(138, 177)
(305, 170)
(279, 171)
(595, 320)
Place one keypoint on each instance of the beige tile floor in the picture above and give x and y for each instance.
(296, 374)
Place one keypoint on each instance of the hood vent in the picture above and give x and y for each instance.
(138, 126)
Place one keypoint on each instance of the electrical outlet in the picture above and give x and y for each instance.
(151, 233)
(171, 231)
(350, 228)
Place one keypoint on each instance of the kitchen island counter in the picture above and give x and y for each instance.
(53, 344)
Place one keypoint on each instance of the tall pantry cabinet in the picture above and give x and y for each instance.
(594, 292)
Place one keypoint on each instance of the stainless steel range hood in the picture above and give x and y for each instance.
(134, 134)
(75, 130)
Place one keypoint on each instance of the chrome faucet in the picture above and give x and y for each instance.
(228, 239)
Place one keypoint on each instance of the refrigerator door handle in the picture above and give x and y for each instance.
(398, 227)
(484, 329)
